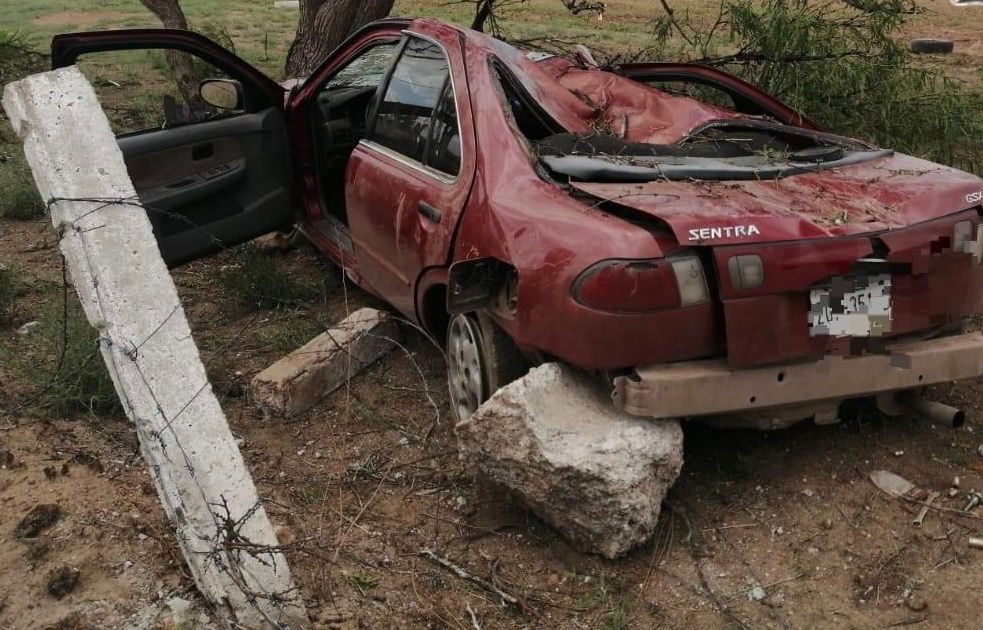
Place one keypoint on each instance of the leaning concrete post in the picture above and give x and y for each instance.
(129, 297)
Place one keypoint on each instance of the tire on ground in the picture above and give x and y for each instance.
(500, 360)
(931, 46)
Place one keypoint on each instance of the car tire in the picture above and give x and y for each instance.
(481, 358)
(931, 46)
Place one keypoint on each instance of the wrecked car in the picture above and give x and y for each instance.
(701, 246)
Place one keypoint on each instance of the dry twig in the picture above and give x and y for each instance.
(504, 597)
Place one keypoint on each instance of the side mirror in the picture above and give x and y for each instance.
(222, 93)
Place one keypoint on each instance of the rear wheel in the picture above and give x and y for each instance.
(481, 358)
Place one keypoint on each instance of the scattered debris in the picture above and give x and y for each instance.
(918, 520)
(62, 581)
(596, 474)
(296, 382)
(979, 450)
(40, 518)
(895, 485)
(975, 498)
(504, 597)
(975, 543)
(27, 328)
(757, 594)
(916, 604)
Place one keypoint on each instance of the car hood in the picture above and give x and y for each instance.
(881, 194)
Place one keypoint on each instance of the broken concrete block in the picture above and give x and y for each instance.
(296, 382)
(596, 474)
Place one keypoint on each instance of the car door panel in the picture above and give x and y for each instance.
(218, 177)
(212, 183)
(404, 214)
(385, 194)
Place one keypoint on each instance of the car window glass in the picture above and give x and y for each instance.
(403, 120)
(365, 70)
(444, 153)
(140, 90)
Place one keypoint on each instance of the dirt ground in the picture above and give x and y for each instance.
(369, 478)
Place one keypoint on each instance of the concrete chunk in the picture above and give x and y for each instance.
(296, 382)
(596, 474)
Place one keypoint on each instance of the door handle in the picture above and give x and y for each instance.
(428, 211)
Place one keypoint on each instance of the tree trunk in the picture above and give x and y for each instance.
(323, 25)
(171, 16)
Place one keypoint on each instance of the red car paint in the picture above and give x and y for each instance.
(806, 227)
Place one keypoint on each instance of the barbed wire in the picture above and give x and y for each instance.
(225, 532)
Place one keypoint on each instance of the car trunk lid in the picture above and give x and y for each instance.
(883, 194)
(892, 218)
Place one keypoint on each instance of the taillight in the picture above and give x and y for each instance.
(632, 286)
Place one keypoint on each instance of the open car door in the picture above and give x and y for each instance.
(208, 154)
(716, 87)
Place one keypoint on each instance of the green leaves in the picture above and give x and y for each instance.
(845, 65)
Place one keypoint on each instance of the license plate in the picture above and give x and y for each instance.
(854, 306)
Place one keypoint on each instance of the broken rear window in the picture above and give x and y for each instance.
(617, 129)
(722, 150)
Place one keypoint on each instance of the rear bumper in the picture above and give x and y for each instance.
(703, 388)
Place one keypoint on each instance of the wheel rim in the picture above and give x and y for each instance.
(464, 366)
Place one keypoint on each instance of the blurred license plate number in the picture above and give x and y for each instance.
(860, 308)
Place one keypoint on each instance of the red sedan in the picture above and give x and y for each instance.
(700, 244)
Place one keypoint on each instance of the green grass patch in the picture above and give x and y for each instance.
(259, 280)
(364, 582)
(60, 359)
(290, 333)
(9, 291)
(19, 198)
(619, 616)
